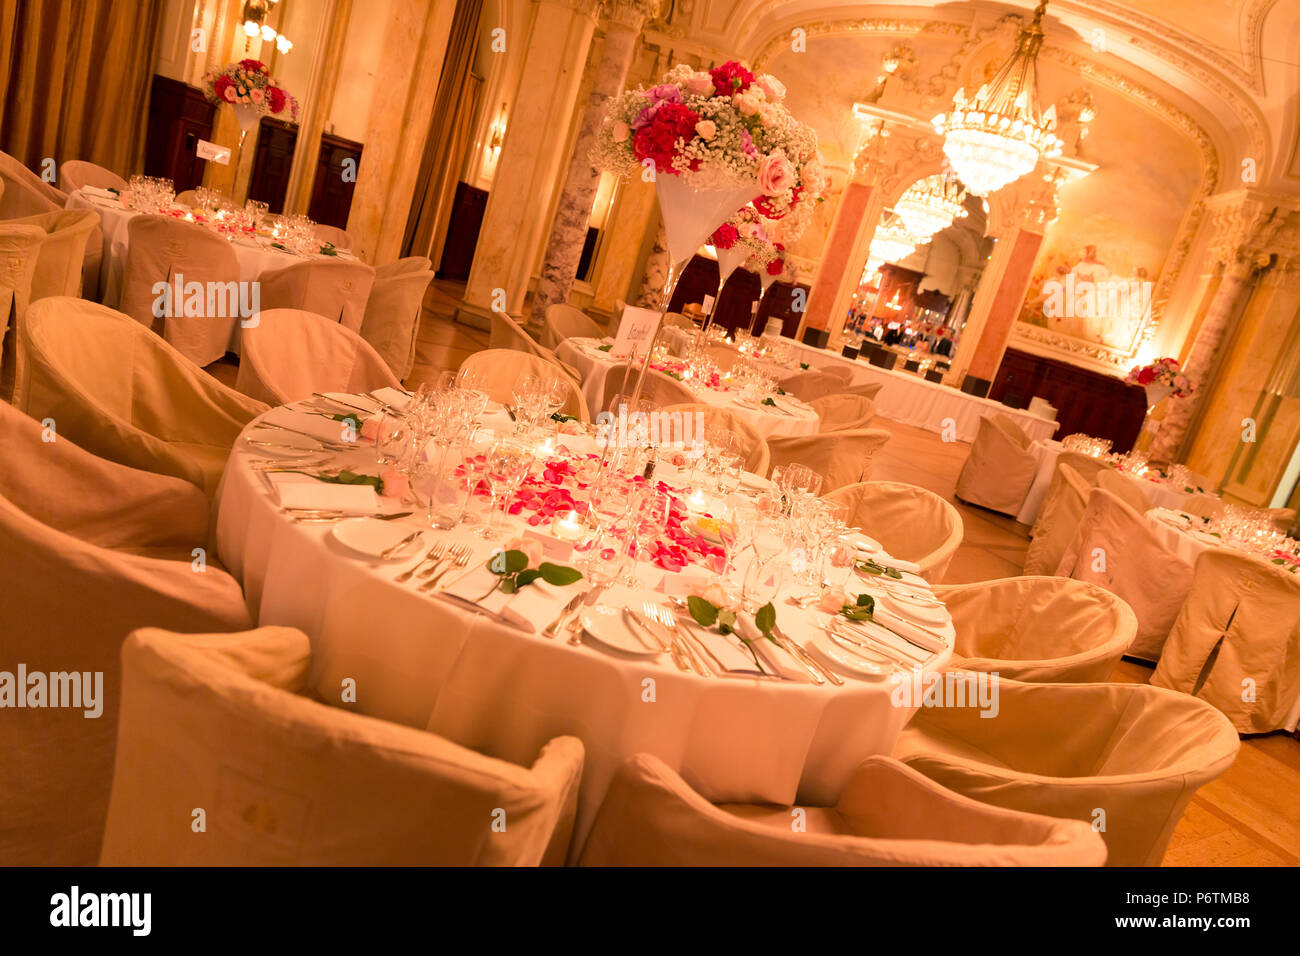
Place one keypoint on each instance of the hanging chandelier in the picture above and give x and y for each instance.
(930, 205)
(999, 135)
(891, 243)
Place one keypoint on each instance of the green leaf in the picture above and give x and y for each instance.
(854, 613)
(870, 567)
(352, 417)
(328, 251)
(508, 562)
(768, 401)
(867, 601)
(894, 573)
(603, 348)
(508, 586)
(562, 418)
(765, 619)
(704, 612)
(527, 577)
(803, 364)
(557, 574)
(780, 390)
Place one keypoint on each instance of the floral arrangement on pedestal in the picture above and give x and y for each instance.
(249, 87)
(1162, 377)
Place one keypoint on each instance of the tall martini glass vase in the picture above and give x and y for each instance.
(690, 217)
(765, 280)
(248, 118)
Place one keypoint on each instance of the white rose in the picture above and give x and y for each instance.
(772, 88)
(746, 102)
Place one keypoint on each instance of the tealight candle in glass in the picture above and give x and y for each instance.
(568, 527)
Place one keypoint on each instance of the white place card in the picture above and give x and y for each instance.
(636, 330)
(214, 153)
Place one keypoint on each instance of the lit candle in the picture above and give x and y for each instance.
(696, 501)
(567, 527)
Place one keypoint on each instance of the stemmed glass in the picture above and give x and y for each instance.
(508, 463)
(395, 439)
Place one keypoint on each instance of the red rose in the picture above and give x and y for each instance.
(764, 205)
(253, 66)
(730, 78)
(776, 267)
(219, 87)
(275, 96)
(1146, 376)
(725, 236)
(657, 140)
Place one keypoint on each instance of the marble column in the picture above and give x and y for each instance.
(833, 286)
(531, 159)
(1004, 305)
(317, 102)
(622, 21)
(1233, 286)
(415, 44)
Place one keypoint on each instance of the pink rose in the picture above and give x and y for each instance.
(707, 129)
(775, 174)
(711, 591)
(571, 428)
(228, 94)
(621, 132)
(532, 548)
(832, 600)
(370, 429)
(256, 95)
(747, 103)
(772, 88)
(700, 83)
(395, 484)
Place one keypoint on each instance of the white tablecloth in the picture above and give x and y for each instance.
(911, 400)
(594, 366)
(254, 257)
(429, 664)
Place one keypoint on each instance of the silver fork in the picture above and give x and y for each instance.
(460, 555)
(651, 611)
(434, 554)
(669, 620)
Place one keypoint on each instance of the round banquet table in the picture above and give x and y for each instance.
(795, 418)
(254, 256)
(429, 663)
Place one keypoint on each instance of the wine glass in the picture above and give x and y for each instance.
(508, 462)
(395, 438)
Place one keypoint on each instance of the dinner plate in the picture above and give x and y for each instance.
(924, 612)
(844, 661)
(604, 624)
(372, 537)
(758, 483)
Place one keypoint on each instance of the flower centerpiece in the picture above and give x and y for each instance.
(1161, 378)
(248, 88)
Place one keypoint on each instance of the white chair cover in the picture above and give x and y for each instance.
(910, 522)
(1236, 642)
(1116, 548)
(506, 333)
(1000, 467)
(1135, 753)
(330, 287)
(841, 457)
(887, 815)
(25, 193)
(500, 368)
(1057, 522)
(392, 321)
(333, 235)
(291, 354)
(99, 550)
(62, 256)
(842, 372)
(566, 322)
(76, 173)
(20, 250)
(221, 721)
(122, 393)
(160, 250)
(1125, 489)
(402, 266)
(1038, 629)
(841, 411)
(659, 388)
(758, 457)
(809, 386)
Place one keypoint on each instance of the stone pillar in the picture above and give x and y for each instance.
(317, 102)
(415, 44)
(1233, 286)
(622, 21)
(1004, 304)
(840, 271)
(531, 158)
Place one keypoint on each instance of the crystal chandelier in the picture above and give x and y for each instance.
(891, 243)
(930, 205)
(999, 135)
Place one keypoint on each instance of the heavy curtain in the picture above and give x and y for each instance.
(74, 80)
(450, 130)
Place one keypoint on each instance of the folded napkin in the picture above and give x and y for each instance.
(99, 193)
(392, 396)
(728, 650)
(325, 429)
(775, 659)
(532, 607)
(914, 633)
(303, 491)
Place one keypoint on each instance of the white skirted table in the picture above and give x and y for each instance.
(426, 662)
(911, 400)
(255, 256)
(788, 418)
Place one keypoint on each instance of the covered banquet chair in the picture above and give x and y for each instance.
(1125, 489)
(843, 411)
(506, 333)
(565, 322)
(392, 320)
(1116, 548)
(20, 251)
(1000, 467)
(333, 288)
(1086, 466)
(1236, 641)
(910, 522)
(76, 173)
(659, 388)
(886, 815)
(289, 354)
(809, 386)
(1126, 757)
(1057, 521)
(843, 457)
(496, 371)
(100, 549)
(225, 722)
(178, 253)
(403, 266)
(1039, 629)
(336, 237)
(122, 393)
(758, 458)
(63, 253)
(24, 193)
